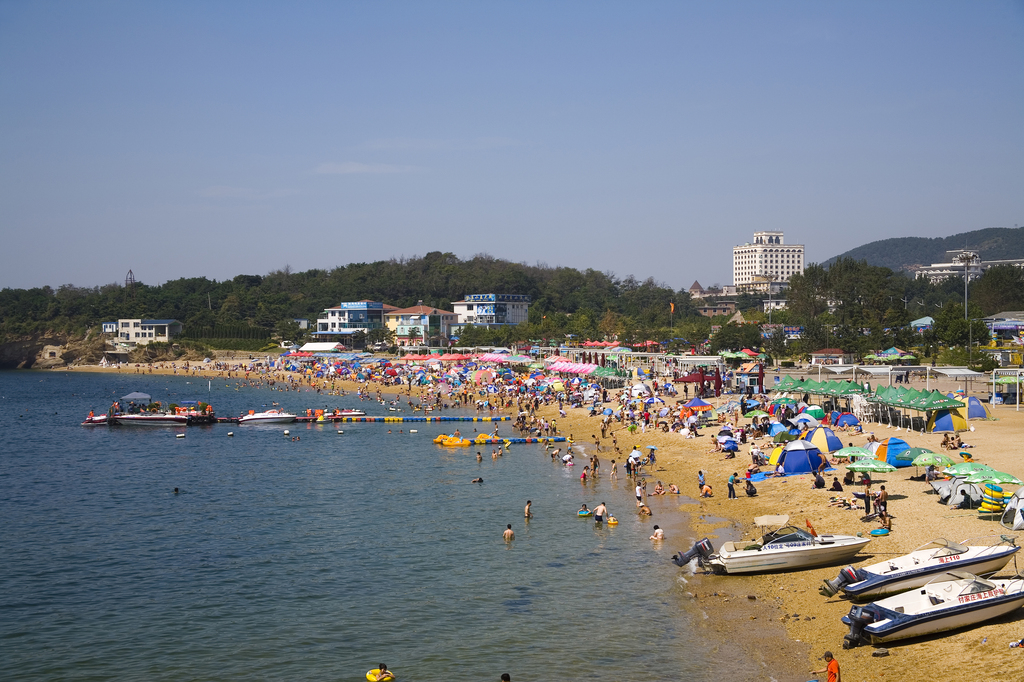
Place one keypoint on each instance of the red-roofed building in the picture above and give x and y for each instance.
(420, 325)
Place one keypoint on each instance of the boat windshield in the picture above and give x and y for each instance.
(787, 535)
(945, 548)
(977, 585)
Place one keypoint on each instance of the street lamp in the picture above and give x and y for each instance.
(967, 258)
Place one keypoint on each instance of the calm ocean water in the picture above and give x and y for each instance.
(311, 560)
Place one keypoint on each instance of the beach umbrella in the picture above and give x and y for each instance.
(755, 413)
(853, 453)
(651, 401)
(871, 465)
(607, 411)
(965, 468)
(651, 447)
(910, 454)
(698, 405)
(998, 477)
(932, 459)
(815, 411)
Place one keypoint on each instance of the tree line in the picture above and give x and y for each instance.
(849, 304)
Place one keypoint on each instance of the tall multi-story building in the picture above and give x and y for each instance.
(768, 260)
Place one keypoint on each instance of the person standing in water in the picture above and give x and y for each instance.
(526, 512)
(508, 534)
(600, 511)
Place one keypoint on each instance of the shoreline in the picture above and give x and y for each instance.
(788, 624)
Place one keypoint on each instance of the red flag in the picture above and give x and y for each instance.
(813, 532)
(672, 307)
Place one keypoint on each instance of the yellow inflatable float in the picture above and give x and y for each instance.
(452, 441)
(374, 675)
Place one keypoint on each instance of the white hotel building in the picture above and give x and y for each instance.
(765, 262)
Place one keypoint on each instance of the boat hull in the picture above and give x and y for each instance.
(930, 624)
(262, 418)
(151, 420)
(879, 585)
(786, 559)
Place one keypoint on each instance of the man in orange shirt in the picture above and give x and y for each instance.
(831, 668)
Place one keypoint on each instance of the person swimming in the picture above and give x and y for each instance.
(477, 480)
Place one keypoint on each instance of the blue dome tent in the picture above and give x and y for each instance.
(800, 457)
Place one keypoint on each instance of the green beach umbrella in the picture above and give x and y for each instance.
(966, 468)
(932, 459)
(853, 453)
(755, 413)
(911, 454)
(997, 477)
(875, 466)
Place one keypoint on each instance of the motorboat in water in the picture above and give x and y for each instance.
(952, 600)
(150, 419)
(267, 417)
(918, 567)
(787, 548)
(97, 420)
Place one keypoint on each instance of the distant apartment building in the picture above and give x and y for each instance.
(347, 318)
(492, 309)
(420, 325)
(719, 308)
(139, 332)
(961, 262)
(767, 261)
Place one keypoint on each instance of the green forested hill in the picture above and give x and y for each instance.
(905, 253)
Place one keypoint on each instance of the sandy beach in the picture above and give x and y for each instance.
(779, 622)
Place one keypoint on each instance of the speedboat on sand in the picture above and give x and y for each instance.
(952, 600)
(787, 548)
(917, 568)
(268, 417)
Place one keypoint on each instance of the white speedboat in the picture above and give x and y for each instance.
(787, 548)
(952, 600)
(150, 419)
(268, 417)
(917, 568)
(97, 420)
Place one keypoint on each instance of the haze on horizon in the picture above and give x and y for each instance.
(213, 139)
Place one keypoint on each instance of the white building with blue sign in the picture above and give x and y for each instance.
(347, 318)
(492, 309)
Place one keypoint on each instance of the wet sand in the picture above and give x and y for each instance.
(784, 629)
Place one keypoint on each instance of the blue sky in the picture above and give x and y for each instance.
(218, 138)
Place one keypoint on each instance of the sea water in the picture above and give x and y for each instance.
(313, 559)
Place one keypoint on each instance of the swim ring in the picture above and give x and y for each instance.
(612, 521)
(585, 513)
(880, 531)
(373, 672)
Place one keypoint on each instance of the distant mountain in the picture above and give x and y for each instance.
(907, 253)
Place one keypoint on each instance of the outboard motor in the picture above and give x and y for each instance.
(859, 618)
(846, 576)
(702, 550)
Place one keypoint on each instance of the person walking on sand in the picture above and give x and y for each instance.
(831, 668)
(732, 486)
(508, 534)
(700, 481)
